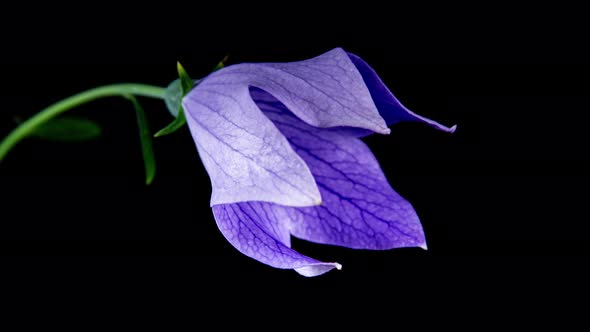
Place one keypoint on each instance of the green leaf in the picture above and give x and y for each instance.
(178, 122)
(145, 139)
(67, 129)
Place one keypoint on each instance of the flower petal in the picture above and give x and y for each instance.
(389, 107)
(324, 91)
(244, 154)
(359, 208)
(257, 229)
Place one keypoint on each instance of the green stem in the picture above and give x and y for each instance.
(27, 127)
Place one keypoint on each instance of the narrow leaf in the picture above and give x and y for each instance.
(68, 129)
(145, 138)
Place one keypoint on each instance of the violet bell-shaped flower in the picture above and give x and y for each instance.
(281, 144)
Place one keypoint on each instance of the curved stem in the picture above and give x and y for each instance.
(27, 127)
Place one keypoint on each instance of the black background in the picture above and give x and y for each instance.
(502, 200)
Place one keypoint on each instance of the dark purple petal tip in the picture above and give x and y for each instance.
(390, 108)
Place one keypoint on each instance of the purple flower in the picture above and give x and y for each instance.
(281, 143)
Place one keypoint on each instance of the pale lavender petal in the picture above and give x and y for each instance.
(389, 107)
(258, 230)
(245, 155)
(324, 91)
(359, 207)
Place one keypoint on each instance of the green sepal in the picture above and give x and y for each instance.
(220, 64)
(174, 94)
(173, 100)
(185, 81)
(173, 97)
(176, 124)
